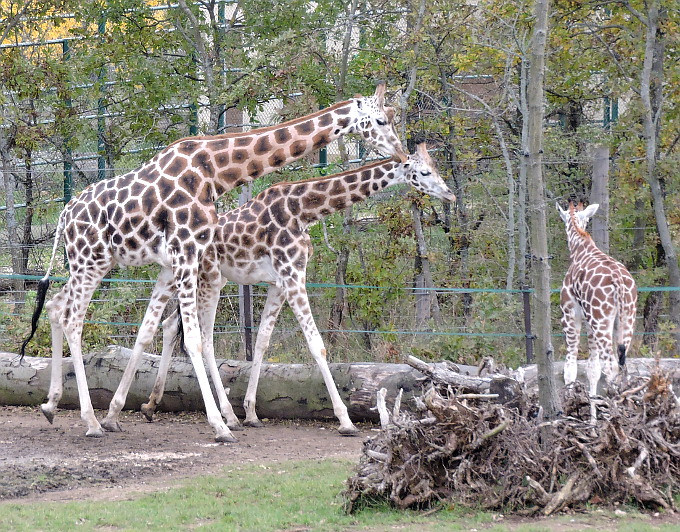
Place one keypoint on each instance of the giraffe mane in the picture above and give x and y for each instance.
(288, 123)
(572, 215)
(341, 174)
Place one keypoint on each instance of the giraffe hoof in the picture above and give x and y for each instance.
(95, 433)
(236, 427)
(226, 438)
(112, 425)
(255, 424)
(149, 411)
(48, 413)
(348, 431)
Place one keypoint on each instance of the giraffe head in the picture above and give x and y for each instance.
(420, 171)
(375, 123)
(578, 214)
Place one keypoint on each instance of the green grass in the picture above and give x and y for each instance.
(293, 495)
(280, 496)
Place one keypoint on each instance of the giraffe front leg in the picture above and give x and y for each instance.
(162, 291)
(297, 299)
(272, 307)
(192, 340)
(571, 323)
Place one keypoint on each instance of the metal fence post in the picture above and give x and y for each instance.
(245, 292)
(68, 167)
(529, 337)
(101, 109)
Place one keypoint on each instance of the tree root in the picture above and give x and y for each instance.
(461, 446)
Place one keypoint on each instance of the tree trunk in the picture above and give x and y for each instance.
(427, 306)
(13, 242)
(522, 238)
(599, 193)
(339, 306)
(547, 390)
(286, 391)
(651, 79)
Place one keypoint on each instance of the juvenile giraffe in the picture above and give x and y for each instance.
(601, 290)
(267, 240)
(164, 213)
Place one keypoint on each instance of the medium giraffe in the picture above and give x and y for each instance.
(266, 240)
(601, 290)
(164, 213)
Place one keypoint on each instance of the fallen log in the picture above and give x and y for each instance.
(286, 391)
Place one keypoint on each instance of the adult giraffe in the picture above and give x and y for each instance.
(164, 213)
(266, 240)
(601, 290)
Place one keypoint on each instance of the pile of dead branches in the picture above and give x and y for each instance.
(464, 448)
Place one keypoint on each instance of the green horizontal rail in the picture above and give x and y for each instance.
(354, 286)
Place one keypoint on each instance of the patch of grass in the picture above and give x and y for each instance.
(290, 495)
(280, 496)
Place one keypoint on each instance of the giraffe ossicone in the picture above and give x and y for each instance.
(266, 240)
(164, 213)
(599, 290)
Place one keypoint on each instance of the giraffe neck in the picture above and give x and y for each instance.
(324, 196)
(580, 243)
(233, 159)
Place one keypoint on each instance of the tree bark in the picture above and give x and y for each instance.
(285, 391)
(427, 306)
(13, 242)
(651, 79)
(540, 270)
(339, 308)
(522, 238)
(599, 193)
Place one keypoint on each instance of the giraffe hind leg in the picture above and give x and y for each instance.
(69, 316)
(162, 291)
(300, 305)
(275, 299)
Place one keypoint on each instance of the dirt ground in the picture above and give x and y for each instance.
(43, 462)
(39, 461)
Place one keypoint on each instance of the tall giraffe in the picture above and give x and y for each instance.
(601, 290)
(164, 213)
(267, 240)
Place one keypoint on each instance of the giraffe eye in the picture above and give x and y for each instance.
(426, 172)
(381, 122)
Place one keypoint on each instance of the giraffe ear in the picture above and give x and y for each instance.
(590, 210)
(390, 112)
(563, 213)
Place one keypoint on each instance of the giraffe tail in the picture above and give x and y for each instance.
(621, 348)
(179, 337)
(43, 286)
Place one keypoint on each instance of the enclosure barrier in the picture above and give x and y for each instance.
(526, 310)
